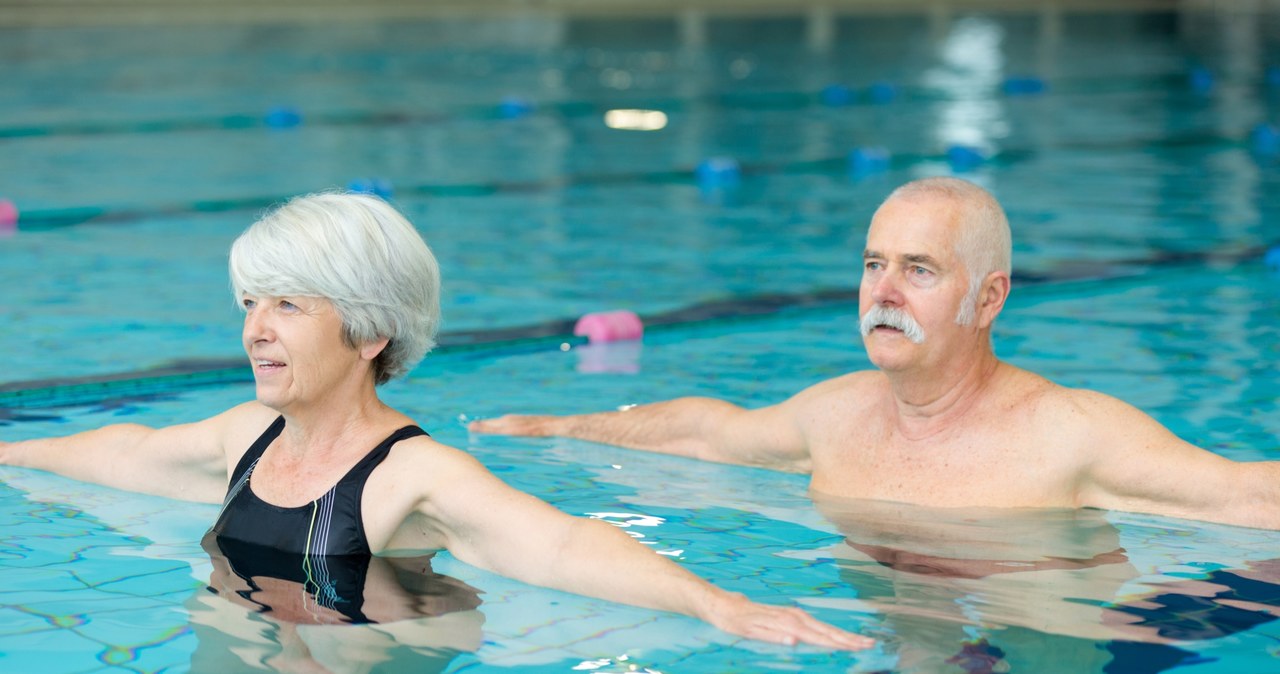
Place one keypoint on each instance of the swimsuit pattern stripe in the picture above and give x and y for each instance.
(235, 488)
(314, 562)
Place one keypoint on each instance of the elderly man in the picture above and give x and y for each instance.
(944, 422)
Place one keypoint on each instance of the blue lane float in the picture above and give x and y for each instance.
(379, 187)
(868, 160)
(1201, 80)
(718, 172)
(1272, 259)
(515, 107)
(836, 95)
(882, 92)
(1265, 140)
(282, 117)
(1023, 85)
(965, 157)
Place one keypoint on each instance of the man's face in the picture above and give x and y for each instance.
(911, 274)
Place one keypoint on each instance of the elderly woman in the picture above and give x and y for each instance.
(341, 294)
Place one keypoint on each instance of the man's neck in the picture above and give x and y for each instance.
(928, 402)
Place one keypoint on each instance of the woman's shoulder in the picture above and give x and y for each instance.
(238, 428)
(425, 451)
(250, 418)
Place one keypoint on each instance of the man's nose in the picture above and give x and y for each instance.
(885, 289)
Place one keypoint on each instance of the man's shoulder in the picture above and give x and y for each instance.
(846, 393)
(1067, 408)
(853, 382)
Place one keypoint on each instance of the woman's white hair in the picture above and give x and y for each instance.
(358, 252)
(985, 243)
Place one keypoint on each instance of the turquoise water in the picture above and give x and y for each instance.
(1141, 212)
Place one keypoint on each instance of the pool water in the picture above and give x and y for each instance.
(1141, 214)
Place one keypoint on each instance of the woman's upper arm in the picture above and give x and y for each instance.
(186, 461)
(484, 521)
(193, 461)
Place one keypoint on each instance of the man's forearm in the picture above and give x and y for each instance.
(683, 427)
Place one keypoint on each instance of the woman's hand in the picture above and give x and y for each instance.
(736, 614)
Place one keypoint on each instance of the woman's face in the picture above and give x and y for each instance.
(297, 351)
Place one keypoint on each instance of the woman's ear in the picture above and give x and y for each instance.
(370, 350)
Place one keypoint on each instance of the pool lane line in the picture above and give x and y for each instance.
(549, 335)
(1173, 84)
(47, 219)
(485, 343)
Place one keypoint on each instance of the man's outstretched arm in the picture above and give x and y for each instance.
(1138, 465)
(702, 428)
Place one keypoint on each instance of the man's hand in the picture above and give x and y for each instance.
(516, 424)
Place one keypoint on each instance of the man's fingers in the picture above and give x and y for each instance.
(504, 424)
(509, 424)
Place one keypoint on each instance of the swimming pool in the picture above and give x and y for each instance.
(1140, 212)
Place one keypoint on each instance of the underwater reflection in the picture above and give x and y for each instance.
(276, 611)
(987, 590)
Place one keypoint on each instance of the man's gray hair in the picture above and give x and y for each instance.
(358, 252)
(984, 244)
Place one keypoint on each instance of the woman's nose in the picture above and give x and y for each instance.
(255, 326)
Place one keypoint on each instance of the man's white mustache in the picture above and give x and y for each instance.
(893, 318)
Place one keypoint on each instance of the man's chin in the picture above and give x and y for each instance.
(889, 358)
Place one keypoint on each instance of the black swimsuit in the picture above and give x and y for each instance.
(330, 525)
(321, 545)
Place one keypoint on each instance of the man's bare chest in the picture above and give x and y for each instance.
(976, 467)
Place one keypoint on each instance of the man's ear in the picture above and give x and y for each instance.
(995, 290)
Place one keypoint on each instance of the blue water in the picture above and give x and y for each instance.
(1141, 213)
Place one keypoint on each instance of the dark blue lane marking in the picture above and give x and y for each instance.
(45, 219)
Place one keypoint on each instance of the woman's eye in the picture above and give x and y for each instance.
(288, 306)
(248, 304)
